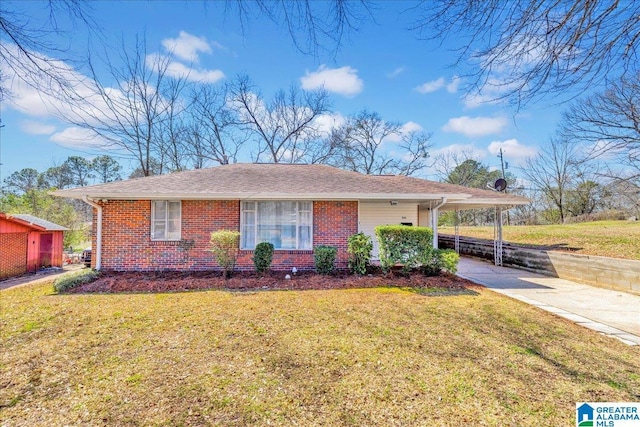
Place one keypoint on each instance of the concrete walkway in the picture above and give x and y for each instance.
(612, 313)
(47, 275)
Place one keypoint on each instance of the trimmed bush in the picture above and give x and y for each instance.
(449, 260)
(74, 279)
(409, 247)
(324, 258)
(359, 247)
(263, 256)
(224, 247)
(431, 263)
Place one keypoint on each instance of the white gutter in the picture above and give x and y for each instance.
(434, 221)
(98, 231)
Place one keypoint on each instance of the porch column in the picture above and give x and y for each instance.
(434, 226)
(434, 221)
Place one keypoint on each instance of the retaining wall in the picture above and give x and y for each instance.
(604, 272)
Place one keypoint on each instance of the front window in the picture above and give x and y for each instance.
(287, 225)
(165, 220)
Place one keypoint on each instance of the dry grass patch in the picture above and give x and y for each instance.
(361, 357)
(618, 239)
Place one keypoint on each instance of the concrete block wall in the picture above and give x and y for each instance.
(604, 272)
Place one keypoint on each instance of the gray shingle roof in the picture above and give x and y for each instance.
(285, 181)
(47, 225)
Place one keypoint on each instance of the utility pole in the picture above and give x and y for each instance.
(501, 155)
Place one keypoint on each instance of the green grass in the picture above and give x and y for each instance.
(361, 357)
(618, 239)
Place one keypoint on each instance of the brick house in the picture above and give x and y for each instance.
(28, 243)
(164, 222)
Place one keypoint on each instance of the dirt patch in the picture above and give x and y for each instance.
(181, 281)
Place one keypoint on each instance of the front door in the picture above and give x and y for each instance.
(46, 248)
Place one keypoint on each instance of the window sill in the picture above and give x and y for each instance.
(165, 242)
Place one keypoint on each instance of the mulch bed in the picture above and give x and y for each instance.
(172, 281)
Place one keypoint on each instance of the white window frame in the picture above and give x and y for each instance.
(255, 210)
(165, 220)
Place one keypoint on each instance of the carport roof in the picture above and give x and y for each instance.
(251, 181)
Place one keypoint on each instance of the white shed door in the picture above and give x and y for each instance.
(375, 214)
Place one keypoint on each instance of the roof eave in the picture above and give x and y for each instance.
(261, 196)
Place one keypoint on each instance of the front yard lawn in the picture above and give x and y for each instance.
(361, 357)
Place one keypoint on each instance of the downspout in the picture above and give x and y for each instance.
(434, 221)
(98, 231)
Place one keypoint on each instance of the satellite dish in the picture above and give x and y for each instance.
(500, 184)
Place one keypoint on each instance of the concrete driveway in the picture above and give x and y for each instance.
(610, 312)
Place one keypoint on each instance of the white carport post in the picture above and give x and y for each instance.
(497, 236)
(434, 221)
(98, 254)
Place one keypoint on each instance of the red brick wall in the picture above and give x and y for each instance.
(13, 254)
(126, 242)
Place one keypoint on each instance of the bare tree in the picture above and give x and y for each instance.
(609, 123)
(523, 49)
(133, 114)
(529, 49)
(214, 131)
(312, 25)
(171, 139)
(284, 128)
(27, 52)
(553, 171)
(365, 145)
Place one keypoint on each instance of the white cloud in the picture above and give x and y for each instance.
(326, 122)
(404, 130)
(452, 87)
(187, 46)
(36, 128)
(463, 151)
(492, 92)
(431, 86)
(396, 72)
(343, 80)
(475, 126)
(512, 150)
(179, 70)
(410, 127)
(75, 137)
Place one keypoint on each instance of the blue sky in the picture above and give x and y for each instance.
(383, 67)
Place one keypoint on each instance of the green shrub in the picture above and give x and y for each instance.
(324, 258)
(262, 256)
(74, 279)
(449, 260)
(431, 263)
(359, 247)
(438, 260)
(224, 246)
(410, 247)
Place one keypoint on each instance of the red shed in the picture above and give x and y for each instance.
(28, 243)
